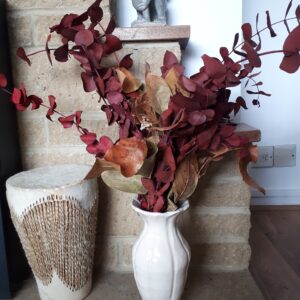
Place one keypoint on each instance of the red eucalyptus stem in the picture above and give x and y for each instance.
(260, 31)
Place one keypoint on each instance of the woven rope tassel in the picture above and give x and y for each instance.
(58, 235)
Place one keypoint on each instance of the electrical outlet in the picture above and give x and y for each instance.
(265, 157)
(285, 156)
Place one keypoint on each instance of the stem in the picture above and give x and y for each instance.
(260, 31)
(40, 51)
(266, 53)
(114, 53)
(6, 91)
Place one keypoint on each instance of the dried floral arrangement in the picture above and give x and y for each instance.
(171, 127)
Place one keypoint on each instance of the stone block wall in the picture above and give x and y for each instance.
(217, 224)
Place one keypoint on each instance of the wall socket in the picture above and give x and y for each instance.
(285, 156)
(265, 157)
(276, 156)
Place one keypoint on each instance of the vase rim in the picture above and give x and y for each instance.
(136, 206)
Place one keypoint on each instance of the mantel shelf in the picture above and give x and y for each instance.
(253, 134)
(178, 33)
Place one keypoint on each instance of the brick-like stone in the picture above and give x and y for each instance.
(226, 192)
(32, 132)
(34, 158)
(33, 4)
(116, 217)
(20, 32)
(227, 256)
(201, 227)
(106, 254)
(62, 80)
(60, 136)
(41, 25)
(125, 254)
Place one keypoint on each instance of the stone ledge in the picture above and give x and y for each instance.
(200, 285)
(179, 33)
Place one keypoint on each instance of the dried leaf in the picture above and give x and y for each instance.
(126, 62)
(3, 81)
(259, 93)
(269, 24)
(22, 54)
(111, 26)
(244, 160)
(67, 122)
(252, 55)
(170, 59)
(172, 78)
(149, 163)
(48, 50)
(112, 44)
(88, 81)
(99, 167)
(291, 60)
(186, 179)
(115, 180)
(129, 154)
(158, 91)
(84, 38)
(128, 81)
(61, 53)
(52, 107)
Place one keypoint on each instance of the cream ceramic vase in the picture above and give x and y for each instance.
(55, 212)
(160, 256)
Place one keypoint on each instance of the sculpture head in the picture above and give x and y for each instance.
(140, 5)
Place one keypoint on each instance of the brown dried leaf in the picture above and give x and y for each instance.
(129, 154)
(128, 81)
(172, 78)
(158, 91)
(99, 167)
(186, 179)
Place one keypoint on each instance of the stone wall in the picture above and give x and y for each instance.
(216, 226)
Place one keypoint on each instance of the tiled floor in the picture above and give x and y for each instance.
(205, 286)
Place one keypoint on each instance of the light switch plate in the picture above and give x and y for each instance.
(285, 156)
(265, 157)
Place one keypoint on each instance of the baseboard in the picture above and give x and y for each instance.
(276, 197)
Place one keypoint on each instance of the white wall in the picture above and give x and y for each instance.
(278, 118)
(213, 24)
(210, 25)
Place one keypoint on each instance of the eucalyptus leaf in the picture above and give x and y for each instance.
(186, 179)
(158, 92)
(148, 165)
(115, 180)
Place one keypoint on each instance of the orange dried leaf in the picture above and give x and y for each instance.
(245, 159)
(129, 154)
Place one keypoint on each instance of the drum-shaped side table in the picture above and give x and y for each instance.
(55, 214)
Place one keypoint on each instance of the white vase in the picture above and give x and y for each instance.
(55, 212)
(160, 256)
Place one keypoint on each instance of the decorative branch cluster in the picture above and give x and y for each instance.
(171, 128)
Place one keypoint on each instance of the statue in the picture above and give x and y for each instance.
(149, 12)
